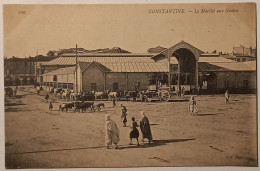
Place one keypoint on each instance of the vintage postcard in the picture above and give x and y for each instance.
(130, 85)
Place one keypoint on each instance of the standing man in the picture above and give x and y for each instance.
(111, 132)
(123, 115)
(114, 100)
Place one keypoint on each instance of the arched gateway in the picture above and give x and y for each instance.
(186, 70)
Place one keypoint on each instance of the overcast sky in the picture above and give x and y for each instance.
(28, 28)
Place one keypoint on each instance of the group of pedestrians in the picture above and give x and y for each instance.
(192, 105)
(112, 130)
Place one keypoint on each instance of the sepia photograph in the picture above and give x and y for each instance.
(130, 85)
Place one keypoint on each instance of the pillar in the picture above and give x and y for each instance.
(169, 68)
(197, 74)
(67, 81)
(156, 81)
(105, 81)
(126, 81)
(179, 71)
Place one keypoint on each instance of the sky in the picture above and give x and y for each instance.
(32, 29)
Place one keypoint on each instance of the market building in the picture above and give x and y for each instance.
(180, 65)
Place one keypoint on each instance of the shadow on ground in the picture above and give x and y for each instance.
(208, 114)
(157, 143)
(146, 145)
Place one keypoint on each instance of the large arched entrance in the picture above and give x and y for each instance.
(185, 70)
(185, 74)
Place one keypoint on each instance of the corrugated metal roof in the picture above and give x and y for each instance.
(72, 60)
(146, 64)
(109, 55)
(62, 71)
(116, 64)
(83, 65)
(215, 59)
(204, 66)
(252, 64)
(219, 64)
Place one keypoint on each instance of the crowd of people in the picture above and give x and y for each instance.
(112, 133)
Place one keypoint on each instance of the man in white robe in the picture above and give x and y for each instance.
(112, 132)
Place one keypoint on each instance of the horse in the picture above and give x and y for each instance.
(98, 95)
(111, 95)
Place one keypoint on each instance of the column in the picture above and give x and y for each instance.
(197, 74)
(179, 71)
(67, 81)
(169, 68)
(156, 79)
(105, 81)
(126, 81)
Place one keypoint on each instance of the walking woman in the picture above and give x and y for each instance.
(134, 132)
(227, 96)
(145, 127)
(123, 114)
(192, 106)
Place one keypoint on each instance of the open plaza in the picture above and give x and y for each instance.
(219, 134)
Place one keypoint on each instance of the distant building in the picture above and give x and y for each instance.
(157, 49)
(82, 50)
(23, 70)
(243, 54)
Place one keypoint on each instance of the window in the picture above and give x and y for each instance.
(244, 59)
(226, 84)
(54, 77)
(115, 86)
(238, 59)
(245, 83)
(93, 86)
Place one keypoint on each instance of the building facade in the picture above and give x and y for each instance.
(180, 65)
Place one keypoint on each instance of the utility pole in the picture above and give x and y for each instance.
(76, 68)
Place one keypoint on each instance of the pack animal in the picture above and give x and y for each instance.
(83, 106)
(66, 106)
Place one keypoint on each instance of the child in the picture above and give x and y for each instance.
(192, 106)
(134, 132)
(227, 96)
(50, 106)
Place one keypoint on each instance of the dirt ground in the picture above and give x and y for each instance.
(219, 135)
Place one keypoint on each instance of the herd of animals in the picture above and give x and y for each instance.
(81, 106)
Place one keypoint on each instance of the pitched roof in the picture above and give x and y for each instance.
(84, 65)
(61, 71)
(115, 64)
(252, 64)
(99, 65)
(220, 64)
